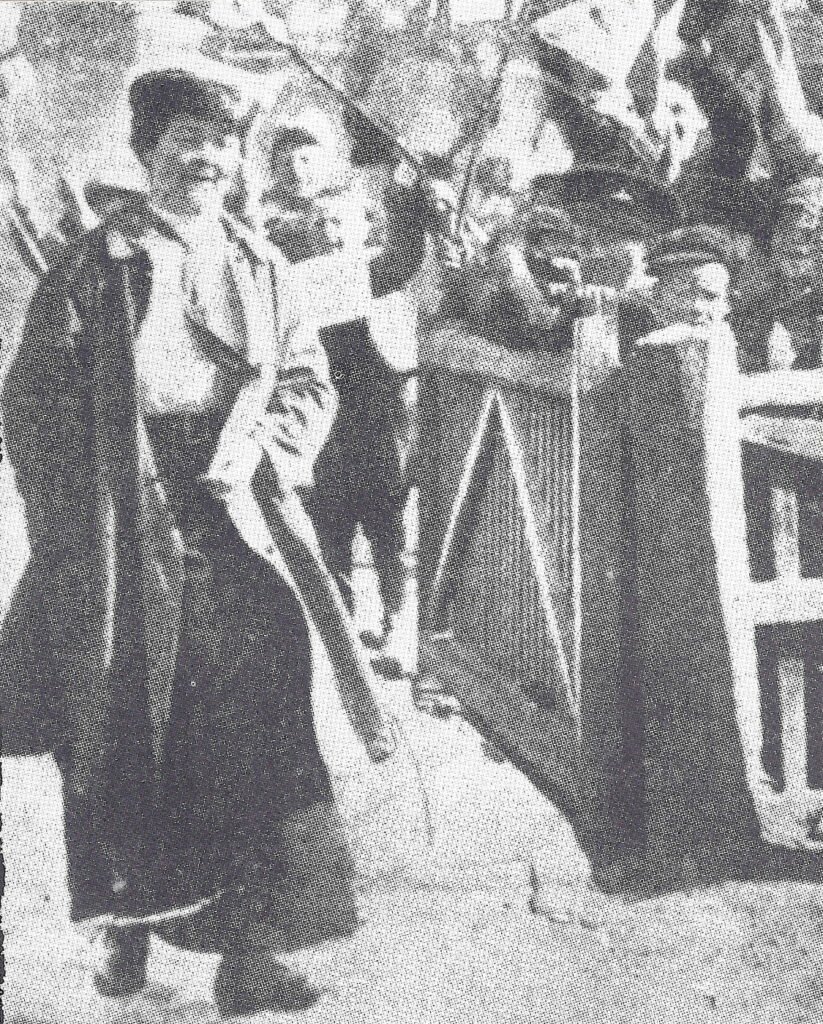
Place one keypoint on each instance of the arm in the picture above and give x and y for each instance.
(794, 133)
(286, 412)
(301, 409)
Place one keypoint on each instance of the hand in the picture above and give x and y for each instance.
(593, 297)
(449, 254)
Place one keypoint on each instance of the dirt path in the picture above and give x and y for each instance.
(449, 932)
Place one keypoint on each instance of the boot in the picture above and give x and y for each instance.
(125, 958)
(254, 981)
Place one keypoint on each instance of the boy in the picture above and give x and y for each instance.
(316, 210)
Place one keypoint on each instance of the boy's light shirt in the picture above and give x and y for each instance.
(335, 288)
(331, 289)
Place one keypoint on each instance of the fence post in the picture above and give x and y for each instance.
(610, 712)
(695, 650)
(791, 671)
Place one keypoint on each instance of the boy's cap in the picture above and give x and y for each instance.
(613, 185)
(694, 245)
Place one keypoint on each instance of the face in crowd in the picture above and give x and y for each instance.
(301, 171)
(690, 293)
(192, 166)
(308, 160)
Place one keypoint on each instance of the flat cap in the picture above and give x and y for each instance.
(694, 245)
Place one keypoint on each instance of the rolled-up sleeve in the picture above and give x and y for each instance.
(301, 409)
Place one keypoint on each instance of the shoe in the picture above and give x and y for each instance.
(125, 960)
(249, 983)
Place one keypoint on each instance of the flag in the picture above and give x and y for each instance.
(603, 35)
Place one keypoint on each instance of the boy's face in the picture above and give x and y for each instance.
(193, 165)
(305, 171)
(613, 260)
(689, 293)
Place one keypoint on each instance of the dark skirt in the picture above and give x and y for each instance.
(236, 840)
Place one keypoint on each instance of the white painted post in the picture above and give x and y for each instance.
(792, 681)
(791, 675)
(785, 532)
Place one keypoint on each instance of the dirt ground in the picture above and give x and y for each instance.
(494, 920)
(476, 901)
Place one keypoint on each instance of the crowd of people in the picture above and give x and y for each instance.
(175, 652)
(748, 199)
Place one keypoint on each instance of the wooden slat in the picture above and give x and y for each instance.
(455, 349)
(468, 483)
(539, 549)
(785, 600)
(791, 678)
(782, 388)
(785, 532)
(794, 435)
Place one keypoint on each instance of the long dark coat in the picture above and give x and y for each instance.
(101, 534)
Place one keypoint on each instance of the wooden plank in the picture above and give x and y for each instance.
(792, 681)
(581, 351)
(466, 487)
(539, 550)
(784, 600)
(598, 579)
(781, 388)
(541, 740)
(455, 349)
(785, 532)
(791, 434)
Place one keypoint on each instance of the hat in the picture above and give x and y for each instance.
(159, 96)
(631, 203)
(695, 245)
(547, 222)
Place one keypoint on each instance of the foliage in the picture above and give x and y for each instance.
(88, 31)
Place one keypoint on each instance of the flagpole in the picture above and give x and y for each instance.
(314, 71)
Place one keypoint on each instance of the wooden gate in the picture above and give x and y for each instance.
(522, 551)
(529, 579)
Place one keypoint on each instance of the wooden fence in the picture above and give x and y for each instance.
(522, 552)
(785, 598)
(532, 544)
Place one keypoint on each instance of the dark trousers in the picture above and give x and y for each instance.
(359, 477)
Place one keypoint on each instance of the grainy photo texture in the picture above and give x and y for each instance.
(411, 566)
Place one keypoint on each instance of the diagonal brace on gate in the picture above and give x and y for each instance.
(495, 423)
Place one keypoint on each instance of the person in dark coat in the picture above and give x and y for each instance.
(171, 662)
(317, 210)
